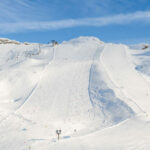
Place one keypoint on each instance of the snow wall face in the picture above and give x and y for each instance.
(105, 103)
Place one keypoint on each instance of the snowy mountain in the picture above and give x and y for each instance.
(97, 93)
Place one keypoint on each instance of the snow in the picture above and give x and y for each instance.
(95, 92)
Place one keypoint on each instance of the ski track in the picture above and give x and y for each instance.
(38, 83)
(32, 91)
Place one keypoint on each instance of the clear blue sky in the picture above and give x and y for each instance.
(120, 21)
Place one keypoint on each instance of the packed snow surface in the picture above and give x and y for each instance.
(96, 93)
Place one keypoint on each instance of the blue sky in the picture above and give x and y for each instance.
(119, 21)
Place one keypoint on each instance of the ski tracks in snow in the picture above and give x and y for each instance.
(33, 89)
(38, 83)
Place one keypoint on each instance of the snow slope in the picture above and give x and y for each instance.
(90, 90)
